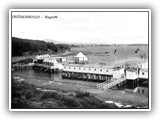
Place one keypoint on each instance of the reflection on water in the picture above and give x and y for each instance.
(38, 75)
(44, 76)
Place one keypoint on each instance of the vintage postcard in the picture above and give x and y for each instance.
(80, 60)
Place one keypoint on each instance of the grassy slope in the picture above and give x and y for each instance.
(26, 96)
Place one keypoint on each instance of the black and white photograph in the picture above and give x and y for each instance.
(80, 60)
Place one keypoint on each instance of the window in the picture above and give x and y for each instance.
(142, 73)
(94, 69)
(100, 69)
(106, 70)
(89, 68)
(69, 67)
(79, 68)
(84, 68)
(138, 90)
(142, 91)
(74, 68)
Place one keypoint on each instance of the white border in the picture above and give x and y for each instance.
(79, 10)
(10, 60)
(16, 10)
(150, 78)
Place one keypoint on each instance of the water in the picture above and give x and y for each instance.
(48, 77)
(38, 75)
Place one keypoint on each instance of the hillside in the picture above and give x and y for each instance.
(21, 47)
(27, 96)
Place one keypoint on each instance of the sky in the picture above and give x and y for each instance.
(83, 27)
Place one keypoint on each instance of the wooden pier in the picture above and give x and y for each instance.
(86, 76)
(109, 78)
(114, 83)
(45, 68)
(97, 74)
(87, 73)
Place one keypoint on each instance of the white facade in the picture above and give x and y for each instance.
(145, 65)
(143, 74)
(52, 63)
(131, 74)
(61, 59)
(42, 56)
(118, 73)
(80, 57)
(86, 69)
(59, 66)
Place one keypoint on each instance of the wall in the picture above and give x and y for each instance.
(143, 74)
(85, 69)
(131, 75)
(118, 73)
(141, 90)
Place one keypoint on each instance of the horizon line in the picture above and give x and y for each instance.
(61, 42)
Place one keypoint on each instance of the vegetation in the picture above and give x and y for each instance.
(23, 61)
(22, 47)
(26, 96)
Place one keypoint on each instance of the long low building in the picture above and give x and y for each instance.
(90, 72)
(87, 69)
(130, 77)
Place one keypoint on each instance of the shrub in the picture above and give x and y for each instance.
(46, 95)
(26, 96)
(56, 96)
(72, 102)
(82, 94)
(108, 106)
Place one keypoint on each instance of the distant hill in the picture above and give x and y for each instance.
(22, 47)
(137, 44)
(81, 44)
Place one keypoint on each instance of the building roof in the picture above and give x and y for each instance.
(51, 60)
(88, 66)
(131, 69)
(80, 55)
(42, 56)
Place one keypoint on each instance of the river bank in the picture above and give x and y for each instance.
(69, 87)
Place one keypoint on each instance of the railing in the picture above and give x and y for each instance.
(114, 81)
